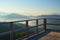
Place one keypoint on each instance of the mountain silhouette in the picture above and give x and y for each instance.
(48, 16)
(16, 16)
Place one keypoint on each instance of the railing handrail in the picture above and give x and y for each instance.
(29, 20)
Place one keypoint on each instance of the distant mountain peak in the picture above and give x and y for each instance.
(48, 16)
(14, 16)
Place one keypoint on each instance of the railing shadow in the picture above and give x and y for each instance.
(36, 37)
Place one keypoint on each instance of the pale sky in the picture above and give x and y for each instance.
(30, 7)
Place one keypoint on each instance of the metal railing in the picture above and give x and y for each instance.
(27, 27)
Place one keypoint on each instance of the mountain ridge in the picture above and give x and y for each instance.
(14, 16)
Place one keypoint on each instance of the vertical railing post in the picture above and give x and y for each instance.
(45, 20)
(11, 30)
(27, 28)
(37, 25)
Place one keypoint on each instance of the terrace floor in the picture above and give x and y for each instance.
(48, 35)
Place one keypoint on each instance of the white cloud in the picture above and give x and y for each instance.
(30, 12)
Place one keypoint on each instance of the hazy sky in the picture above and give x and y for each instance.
(30, 7)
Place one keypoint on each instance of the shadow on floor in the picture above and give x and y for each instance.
(39, 35)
